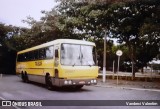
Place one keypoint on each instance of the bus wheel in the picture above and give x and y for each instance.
(22, 76)
(26, 77)
(78, 87)
(48, 81)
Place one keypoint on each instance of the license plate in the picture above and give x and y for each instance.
(82, 82)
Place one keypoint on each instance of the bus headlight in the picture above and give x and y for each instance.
(65, 82)
(69, 82)
(92, 81)
(95, 81)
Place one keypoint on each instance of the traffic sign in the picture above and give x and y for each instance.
(119, 53)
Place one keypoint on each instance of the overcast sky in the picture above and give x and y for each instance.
(14, 11)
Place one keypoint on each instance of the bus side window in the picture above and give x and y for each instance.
(36, 54)
(30, 55)
(49, 52)
(42, 53)
(25, 56)
(20, 58)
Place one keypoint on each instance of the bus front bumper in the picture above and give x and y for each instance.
(74, 82)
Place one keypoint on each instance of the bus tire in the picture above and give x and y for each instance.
(48, 81)
(78, 87)
(22, 76)
(26, 77)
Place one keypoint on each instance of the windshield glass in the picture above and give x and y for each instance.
(72, 54)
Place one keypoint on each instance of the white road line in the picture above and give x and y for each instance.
(2, 98)
(8, 100)
(130, 88)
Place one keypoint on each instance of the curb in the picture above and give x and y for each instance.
(129, 88)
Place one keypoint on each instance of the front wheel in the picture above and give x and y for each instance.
(24, 77)
(77, 87)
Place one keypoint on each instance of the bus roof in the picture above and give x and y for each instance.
(58, 41)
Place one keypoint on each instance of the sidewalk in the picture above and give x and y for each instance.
(126, 84)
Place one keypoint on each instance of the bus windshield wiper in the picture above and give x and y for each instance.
(73, 65)
(89, 64)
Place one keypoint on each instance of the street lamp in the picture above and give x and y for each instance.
(104, 58)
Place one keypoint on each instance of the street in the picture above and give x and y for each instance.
(12, 88)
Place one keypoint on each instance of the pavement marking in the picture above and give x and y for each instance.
(130, 88)
(8, 100)
(6, 94)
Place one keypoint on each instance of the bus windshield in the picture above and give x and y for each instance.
(77, 55)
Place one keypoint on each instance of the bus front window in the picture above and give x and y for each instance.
(87, 55)
(70, 54)
(77, 55)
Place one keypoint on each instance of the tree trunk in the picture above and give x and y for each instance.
(133, 70)
(142, 71)
(132, 57)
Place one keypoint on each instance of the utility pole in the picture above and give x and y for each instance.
(113, 67)
(104, 58)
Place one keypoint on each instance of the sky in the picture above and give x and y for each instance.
(12, 12)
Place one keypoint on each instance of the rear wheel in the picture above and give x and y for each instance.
(26, 77)
(48, 81)
(22, 76)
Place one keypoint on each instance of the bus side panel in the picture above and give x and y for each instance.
(36, 70)
(50, 71)
(37, 78)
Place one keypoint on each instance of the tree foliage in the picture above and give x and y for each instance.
(139, 28)
(10, 37)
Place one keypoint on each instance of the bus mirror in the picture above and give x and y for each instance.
(56, 53)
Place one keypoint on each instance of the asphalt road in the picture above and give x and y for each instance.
(12, 88)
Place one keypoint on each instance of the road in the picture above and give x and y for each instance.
(12, 88)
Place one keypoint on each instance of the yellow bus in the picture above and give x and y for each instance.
(62, 62)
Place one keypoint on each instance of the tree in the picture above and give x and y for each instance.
(138, 24)
(10, 37)
(150, 43)
(42, 31)
(3, 33)
(87, 20)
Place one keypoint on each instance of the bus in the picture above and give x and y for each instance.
(62, 62)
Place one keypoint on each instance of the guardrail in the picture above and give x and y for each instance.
(128, 76)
